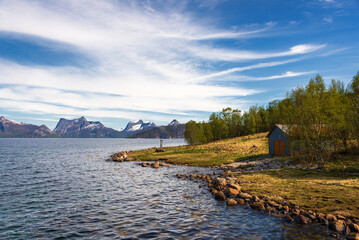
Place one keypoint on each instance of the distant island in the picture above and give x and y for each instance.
(82, 128)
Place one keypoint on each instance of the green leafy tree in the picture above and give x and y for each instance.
(233, 120)
(337, 109)
(309, 120)
(194, 133)
(218, 126)
(190, 133)
(273, 113)
(207, 131)
(353, 95)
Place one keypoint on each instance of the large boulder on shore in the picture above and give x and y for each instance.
(258, 206)
(156, 165)
(353, 227)
(338, 226)
(159, 150)
(231, 202)
(231, 191)
(245, 195)
(255, 198)
(234, 186)
(331, 217)
(240, 201)
(220, 182)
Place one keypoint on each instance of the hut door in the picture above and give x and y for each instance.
(279, 147)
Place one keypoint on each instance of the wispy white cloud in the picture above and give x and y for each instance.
(146, 60)
(328, 19)
(332, 52)
(235, 55)
(284, 75)
(240, 69)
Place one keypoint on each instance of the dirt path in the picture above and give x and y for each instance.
(261, 164)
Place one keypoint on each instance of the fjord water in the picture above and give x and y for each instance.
(64, 189)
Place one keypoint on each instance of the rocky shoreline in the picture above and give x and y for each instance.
(225, 188)
(228, 189)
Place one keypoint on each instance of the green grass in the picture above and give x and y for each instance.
(344, 163)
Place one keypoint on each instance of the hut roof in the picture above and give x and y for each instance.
(283, 127)
(294, 129)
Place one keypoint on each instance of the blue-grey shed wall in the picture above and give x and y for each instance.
(277, 134)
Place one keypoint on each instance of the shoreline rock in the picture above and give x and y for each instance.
(122, 157)
(225, 188)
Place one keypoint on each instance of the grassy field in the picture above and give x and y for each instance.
(211, 154)
(326, 192)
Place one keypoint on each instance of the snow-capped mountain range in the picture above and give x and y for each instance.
(11, 129)
(79, 128)
(173, 130)
(83, 129)
(137, 126)
(173, 123)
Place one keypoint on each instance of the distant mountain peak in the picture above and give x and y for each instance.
(137, 121)
(10, 128)
(8, 121)
(174, 122)
(80, 127)
(136, 126)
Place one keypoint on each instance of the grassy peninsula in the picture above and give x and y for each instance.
(210, 154)
(334, 191)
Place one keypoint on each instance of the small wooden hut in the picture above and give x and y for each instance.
(278, 140)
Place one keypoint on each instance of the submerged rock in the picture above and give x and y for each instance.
(300, 219)
(193, 176)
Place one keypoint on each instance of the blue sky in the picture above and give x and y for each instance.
(117, 61)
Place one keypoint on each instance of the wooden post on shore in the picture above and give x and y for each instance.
(161, 143)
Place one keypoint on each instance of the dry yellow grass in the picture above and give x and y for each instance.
(211, 154)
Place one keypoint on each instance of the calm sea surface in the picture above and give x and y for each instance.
(64, 189)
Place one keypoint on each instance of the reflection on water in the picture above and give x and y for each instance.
(64, 188)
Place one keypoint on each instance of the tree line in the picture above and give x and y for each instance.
(317, 115)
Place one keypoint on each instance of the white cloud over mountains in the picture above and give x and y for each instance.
(145, 59)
